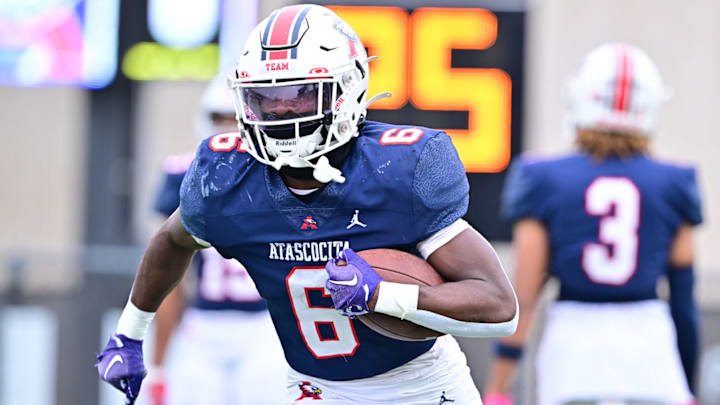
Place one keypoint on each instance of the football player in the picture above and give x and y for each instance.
(608, 222)
(227, 345)
(281, 196)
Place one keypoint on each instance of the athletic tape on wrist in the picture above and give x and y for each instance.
(397, 299)
(134, 322)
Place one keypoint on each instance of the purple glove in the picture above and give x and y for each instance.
(351, 286)
(121, 364)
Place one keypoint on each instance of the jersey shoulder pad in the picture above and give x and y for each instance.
(684, 192)
(220, 163)
(526, 190)
(398, 138)
(423, 165)
(393, 149)
(440, 186)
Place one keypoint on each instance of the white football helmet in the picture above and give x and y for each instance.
(617, 88)
(215, 105)
(300, 89)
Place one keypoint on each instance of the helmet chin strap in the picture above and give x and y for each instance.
(324, 173)
(292, 161)
(322, 170)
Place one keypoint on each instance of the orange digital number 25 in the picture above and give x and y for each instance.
(414, 64)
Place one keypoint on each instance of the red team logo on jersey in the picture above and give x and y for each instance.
(308, 390)
(309, 223)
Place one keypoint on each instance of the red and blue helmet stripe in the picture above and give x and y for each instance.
(282, 30)
(623, 80)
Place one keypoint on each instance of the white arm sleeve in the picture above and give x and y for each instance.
(452, 326)
(441, 237)
(400, 300)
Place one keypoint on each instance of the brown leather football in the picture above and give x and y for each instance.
(399, 267)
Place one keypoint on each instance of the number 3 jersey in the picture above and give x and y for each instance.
(402, 185)
(610, 223)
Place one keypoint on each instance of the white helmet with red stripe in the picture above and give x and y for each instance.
(617, 88)
(300, 90)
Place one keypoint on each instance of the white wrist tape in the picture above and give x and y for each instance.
(134, 322)
(397, 299)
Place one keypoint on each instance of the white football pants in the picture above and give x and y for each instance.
(610, 351)
(439, 376)
(226, 358)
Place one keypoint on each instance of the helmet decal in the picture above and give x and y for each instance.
(348, 33)
(623, 80)
(281, 25)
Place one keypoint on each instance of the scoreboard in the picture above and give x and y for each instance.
(453, 68)
(415, 64)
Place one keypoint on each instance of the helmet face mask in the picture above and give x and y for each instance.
(303, 95)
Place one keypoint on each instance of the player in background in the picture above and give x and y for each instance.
(279, 197)
(227, 346)
(608, 222)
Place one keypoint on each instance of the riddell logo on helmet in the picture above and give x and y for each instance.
(271, 67)
(285, 142)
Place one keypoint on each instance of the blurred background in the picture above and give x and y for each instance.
(95, 93)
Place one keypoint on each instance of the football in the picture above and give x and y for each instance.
(399, 267)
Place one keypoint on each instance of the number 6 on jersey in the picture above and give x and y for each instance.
(300, 281)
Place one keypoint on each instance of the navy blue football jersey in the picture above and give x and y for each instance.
(610, 223)
(221, 284)
(403, 183)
